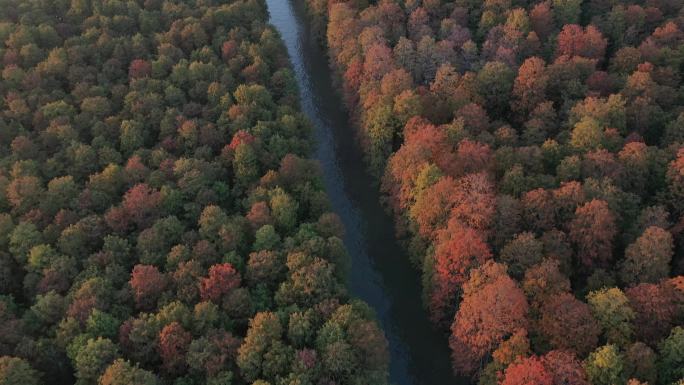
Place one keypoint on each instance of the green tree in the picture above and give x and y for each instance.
(671, 361)
(648, 258)
(283, 209)
(93, 358)
(566, 11)
(49, 308)
(22, 239)
(61, 193)
(266, 238)
(495, 82)
(212, 353)
(605, 366)
(264, 331)
(102, 324)
(131, 136)
(610, 307)
(587, 134)
(245, 164)
(16, 371)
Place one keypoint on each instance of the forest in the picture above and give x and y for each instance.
(532, 154)
(164, 221)
(161, 221)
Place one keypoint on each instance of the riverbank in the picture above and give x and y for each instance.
(381, 273)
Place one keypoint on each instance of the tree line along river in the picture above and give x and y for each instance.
(381, 273)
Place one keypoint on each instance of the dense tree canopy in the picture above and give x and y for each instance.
(160, 221)
(544, 137)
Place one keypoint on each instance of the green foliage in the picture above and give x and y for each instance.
(611, 309)
(102, 324)
(22, 239)
(16, 371)
(587, 134)
(263, 338)
(93, 358)
(605, 366)
(266, 238)
(671, 362)
(495, 81)
(132, 136)
(167, 134)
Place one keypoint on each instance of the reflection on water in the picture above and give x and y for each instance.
(381, 273)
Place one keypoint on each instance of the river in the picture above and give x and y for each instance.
(381, 273)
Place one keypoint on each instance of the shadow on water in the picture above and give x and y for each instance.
(381, 273)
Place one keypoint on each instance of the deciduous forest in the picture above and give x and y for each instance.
(532, 155)
(163, 221)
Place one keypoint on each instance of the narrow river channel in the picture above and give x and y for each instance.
(381, 273)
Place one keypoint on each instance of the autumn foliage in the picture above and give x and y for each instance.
(157, 194)
(542, 138)
(147, 284)
(493, 307)
(222, 279)
(530, 370)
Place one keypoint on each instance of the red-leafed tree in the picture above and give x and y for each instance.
(476, 201)
(353, 78)
(141, 203)
(147, 283)
(592, 232)
(529, 88)
(136, 171)
(566, 200)
(567, 324)
(174, 341)
(139, 68)
(541, 19)
(418, 24)
(564, 368)
(241, 137)
(259, 215)
(655, 309)
(395, 82)
(228, 49)
(539, 210)
(472, 157)
(222, 279)
(459, 249)
(432, 207)
(423, 143)
(475, 118)
(378, 62)
(493, 307)
(117, 219)
(587, 42)
(527, 371)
